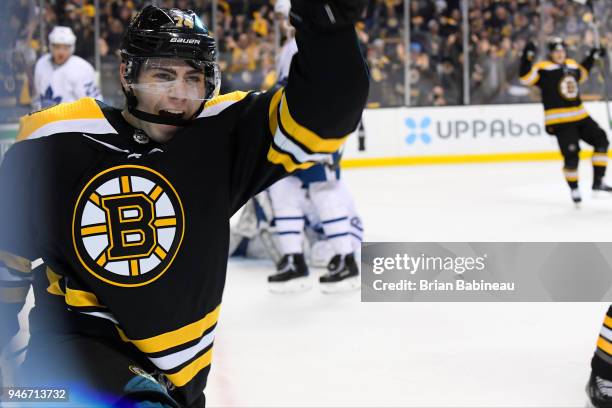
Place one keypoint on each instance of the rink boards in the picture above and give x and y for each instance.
(457, 134)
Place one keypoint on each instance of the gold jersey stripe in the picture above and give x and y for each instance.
(95, 198)
(605, 345)
(165, 222)
(85, 108)
(81, 298)
(306, 137)
(13, 295)
(161, 254)
(54, 287)
(273, 111)
(125, 185)
(15, 262)
(276, 157)
(93, 230)
(569, 119)
(564, 110)
(608, 322)
(155, 193)
(102, 259)
(176, 337)
(134, 267)
(192, 369)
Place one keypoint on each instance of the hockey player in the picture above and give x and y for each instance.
(599, 388)
(320, 190)
(558, 77)
(60, 76)
(331, 201)
(128, 210)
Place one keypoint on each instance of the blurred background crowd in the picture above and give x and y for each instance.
(424, 66)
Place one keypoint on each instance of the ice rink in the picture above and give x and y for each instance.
(315, 350)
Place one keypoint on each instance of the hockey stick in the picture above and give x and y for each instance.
(601, 62)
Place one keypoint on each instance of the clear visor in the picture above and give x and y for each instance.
(177, 78)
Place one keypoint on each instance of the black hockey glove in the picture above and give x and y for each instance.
(597, 53)
(530, 51)
(326, 15)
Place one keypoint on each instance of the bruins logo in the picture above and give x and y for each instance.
(128, 225)
(568, 88)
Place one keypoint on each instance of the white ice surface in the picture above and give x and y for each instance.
(315, 350)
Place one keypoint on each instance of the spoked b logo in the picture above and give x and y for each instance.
(128, 225)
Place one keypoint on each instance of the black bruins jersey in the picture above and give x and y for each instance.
(133, 234)
(560, 88)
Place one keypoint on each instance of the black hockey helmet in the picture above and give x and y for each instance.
(162, 33)
(556, 43)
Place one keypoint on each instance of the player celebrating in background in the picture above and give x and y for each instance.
(129, 209)
(61, 76)
(565, 115)
(599, 387)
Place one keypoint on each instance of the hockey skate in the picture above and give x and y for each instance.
(291, 275)
(602, 190)
(599, 392)
(576, 197)
(342, 275)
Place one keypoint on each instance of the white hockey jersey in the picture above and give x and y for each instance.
(284, 59)
(68, 82)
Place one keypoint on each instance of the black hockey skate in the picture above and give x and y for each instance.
(291, 275)
(601, 187)
(599, 392)
(342, 274)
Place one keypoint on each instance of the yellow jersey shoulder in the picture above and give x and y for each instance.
(65, 117)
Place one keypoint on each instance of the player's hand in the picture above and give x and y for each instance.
(326, 14)
(530, 50)
(598, 53)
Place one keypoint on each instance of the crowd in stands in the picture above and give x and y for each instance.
(249, 38)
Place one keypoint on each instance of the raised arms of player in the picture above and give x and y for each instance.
(16, 241)
(529, 74)
(320, 106)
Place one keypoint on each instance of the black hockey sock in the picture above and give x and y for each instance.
(600, 163)
(602, 360)
(571, 176)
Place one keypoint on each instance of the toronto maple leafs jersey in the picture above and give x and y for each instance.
(134, 236)
(68, 82)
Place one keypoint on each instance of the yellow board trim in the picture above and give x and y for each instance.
(14, 295)
(605, 345)
(186, 374)
(85, 108)
(176, 337)
(308, 138)
(15, 262)
(455, 159)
